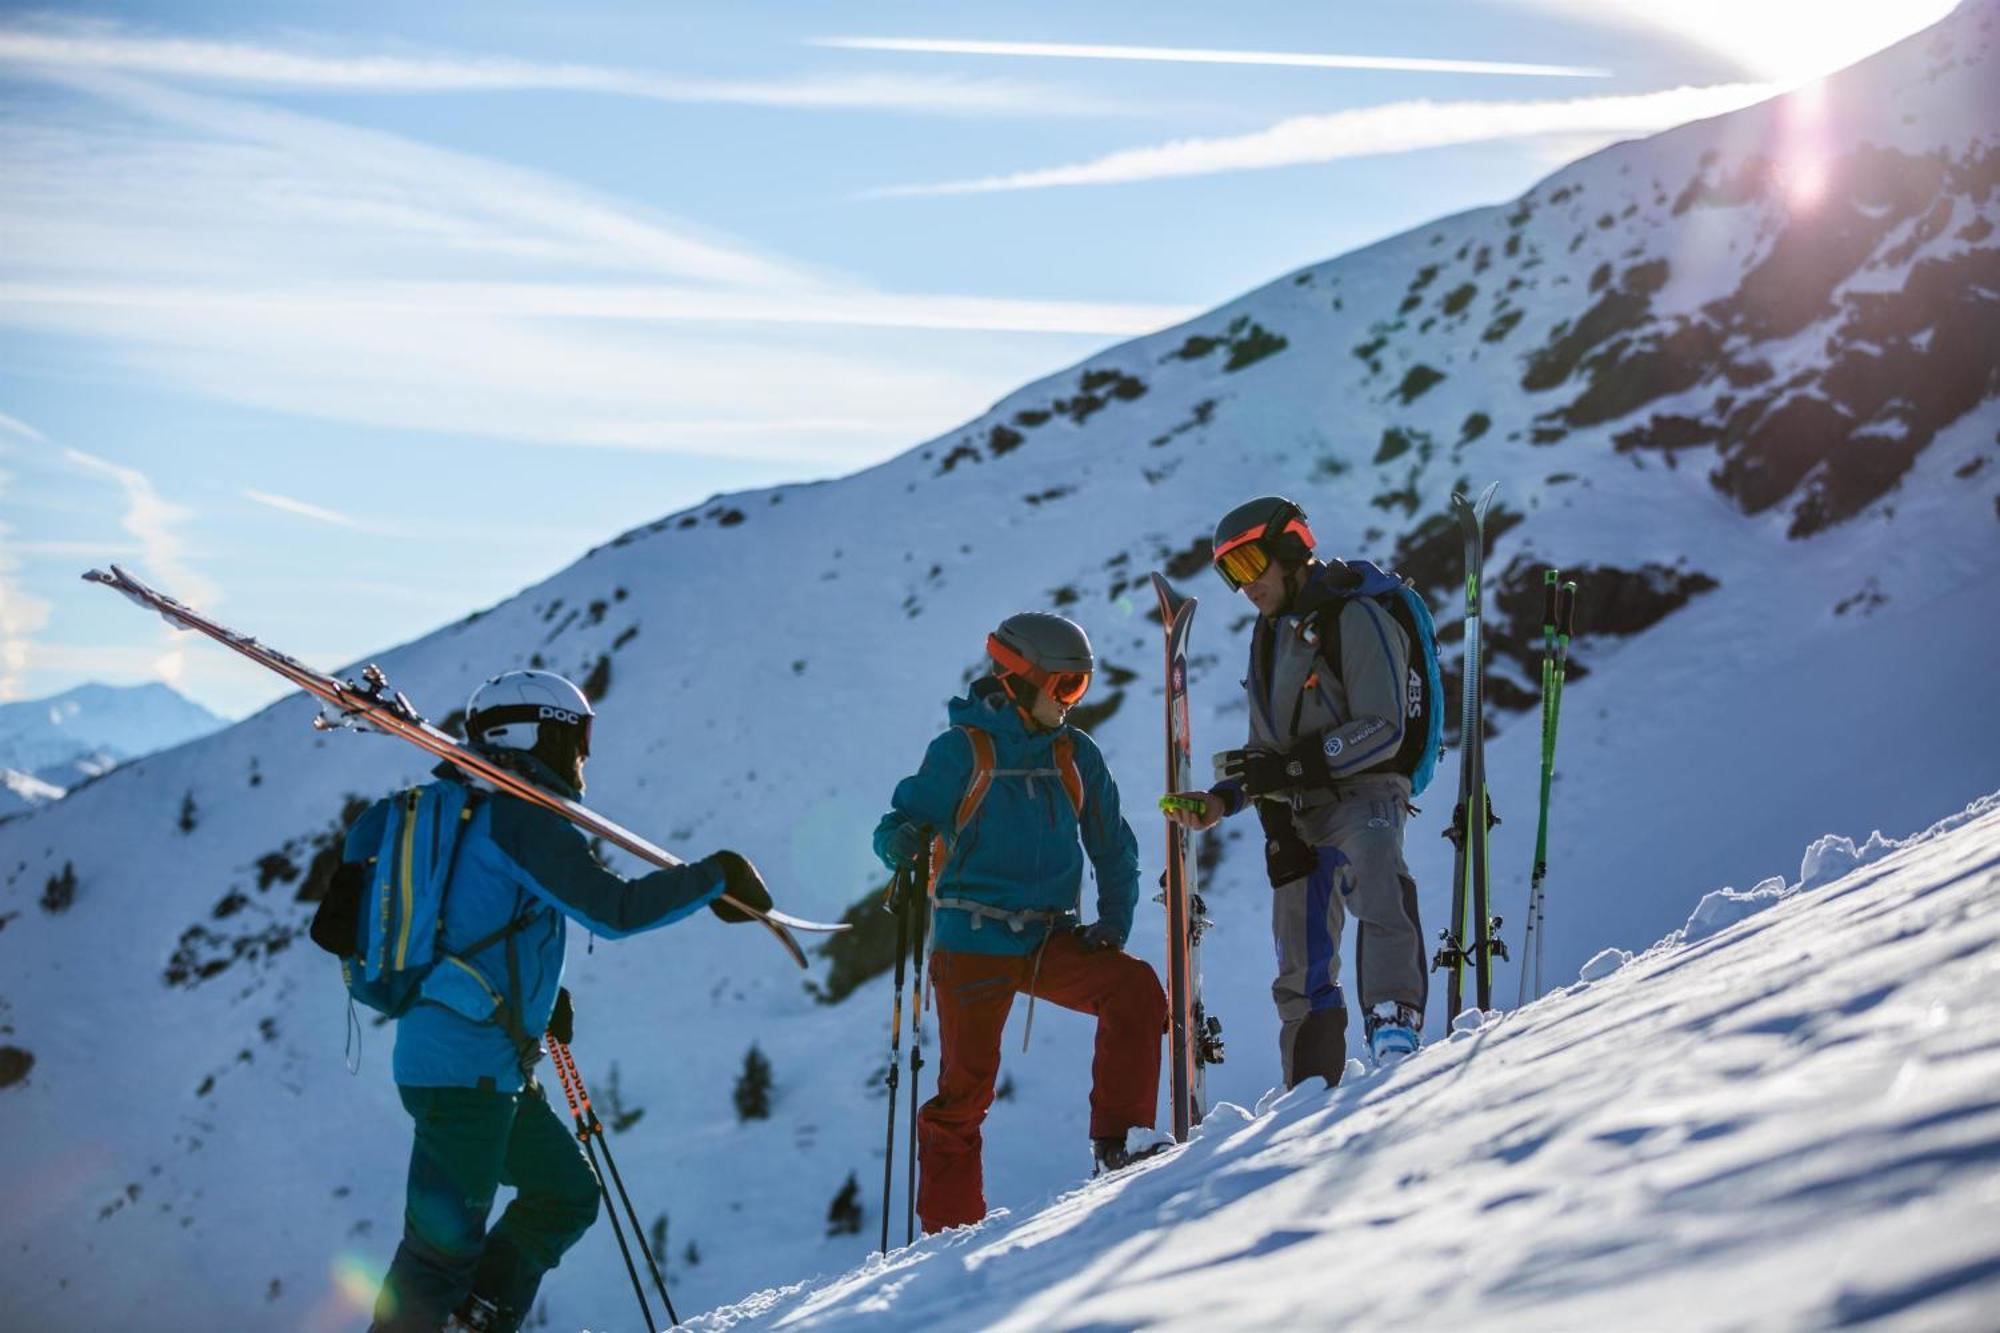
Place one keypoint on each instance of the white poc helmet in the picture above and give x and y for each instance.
(509, 711)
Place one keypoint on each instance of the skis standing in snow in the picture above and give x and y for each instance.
(1334, 737)
(1472, 940)
(1194, 1037)
(1018, 788)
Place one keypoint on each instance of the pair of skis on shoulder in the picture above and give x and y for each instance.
(375, 705)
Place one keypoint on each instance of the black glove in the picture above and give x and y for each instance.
(562, 1022)
(1097, 937)
(740, 881)
(1263, 773)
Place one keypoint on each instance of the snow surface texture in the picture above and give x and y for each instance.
(176, 1128)
(1789, 1124)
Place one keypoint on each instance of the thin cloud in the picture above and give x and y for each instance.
(21, 615)
(652, 304)
(286, 504)
(152, 521)
(1397, 127)
(111, 48)
(15, 426)
(1203, 56)
(184, 247)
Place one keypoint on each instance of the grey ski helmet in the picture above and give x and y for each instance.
(1257, 531)
(514, 710)
(1044, 650)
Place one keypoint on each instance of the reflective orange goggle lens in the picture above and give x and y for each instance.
(1239, 565)
(1065, 687)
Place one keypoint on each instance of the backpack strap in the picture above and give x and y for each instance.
(981, 780)
(1072, 778)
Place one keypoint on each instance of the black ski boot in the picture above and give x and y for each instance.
(478, 1315)
(1135, 1145)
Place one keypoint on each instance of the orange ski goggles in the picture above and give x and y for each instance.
(1243, 558)
(1065, 687)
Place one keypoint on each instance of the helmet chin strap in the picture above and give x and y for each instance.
(1295, 582)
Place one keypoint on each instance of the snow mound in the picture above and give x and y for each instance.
(1694, 1137)
(1605, 962)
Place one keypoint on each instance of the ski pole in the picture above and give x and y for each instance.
(1550, 578)
(901, 890)
(557, 1052)
(920, 910)
(594, 1127)
(1565, 630)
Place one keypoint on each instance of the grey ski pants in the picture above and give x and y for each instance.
(1356, 868)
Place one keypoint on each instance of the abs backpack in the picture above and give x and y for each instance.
(1423, 712)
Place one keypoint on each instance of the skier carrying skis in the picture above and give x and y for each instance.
(1011, 788)
(1326, 732)
(481, 1119)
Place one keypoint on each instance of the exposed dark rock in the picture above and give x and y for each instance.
(1615, 312)
(1418, 381)
(14, 1065)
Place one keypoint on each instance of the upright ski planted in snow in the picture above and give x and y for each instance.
(383, 709)
(1472, 940)
(1195, 1037)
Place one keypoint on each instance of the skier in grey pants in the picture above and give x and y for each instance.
(1321, 768)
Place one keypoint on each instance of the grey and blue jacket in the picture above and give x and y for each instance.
(1353, 709)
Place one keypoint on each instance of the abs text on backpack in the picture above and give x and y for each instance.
(1423, 715)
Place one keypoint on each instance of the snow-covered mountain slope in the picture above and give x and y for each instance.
(1791, 1123)
(68, 738)
(1776, 643)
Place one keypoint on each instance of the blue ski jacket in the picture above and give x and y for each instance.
(517, 861)
(1024, 849)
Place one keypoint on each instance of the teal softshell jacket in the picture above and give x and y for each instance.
(1025, 848)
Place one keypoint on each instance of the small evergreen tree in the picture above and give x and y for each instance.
(753, 1086)
(843, 1215)
(658, 1237)
(187, 822)
(691, 1256)
(60, 890)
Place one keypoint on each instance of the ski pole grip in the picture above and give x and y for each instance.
(1566, 610)
(1550, 578)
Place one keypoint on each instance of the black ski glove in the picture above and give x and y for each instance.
(740, 881)
(1263, 773)
(562, 1022)
(1098, 937)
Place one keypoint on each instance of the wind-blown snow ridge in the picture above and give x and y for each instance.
(1729, 1133)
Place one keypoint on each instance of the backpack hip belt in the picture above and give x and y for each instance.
(1015, 921)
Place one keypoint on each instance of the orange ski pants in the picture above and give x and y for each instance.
(974, 993)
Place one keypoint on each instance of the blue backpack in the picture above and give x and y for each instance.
(384, 916)
(1423, 718)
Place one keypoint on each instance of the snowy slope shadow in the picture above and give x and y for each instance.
(1790, 1122)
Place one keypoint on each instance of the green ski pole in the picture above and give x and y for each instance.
(1550, 579)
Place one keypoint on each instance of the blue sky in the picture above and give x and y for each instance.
(555, 271)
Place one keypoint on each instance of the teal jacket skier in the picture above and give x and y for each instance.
(481, 1119)
(1021, 799)
(1024, 852)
